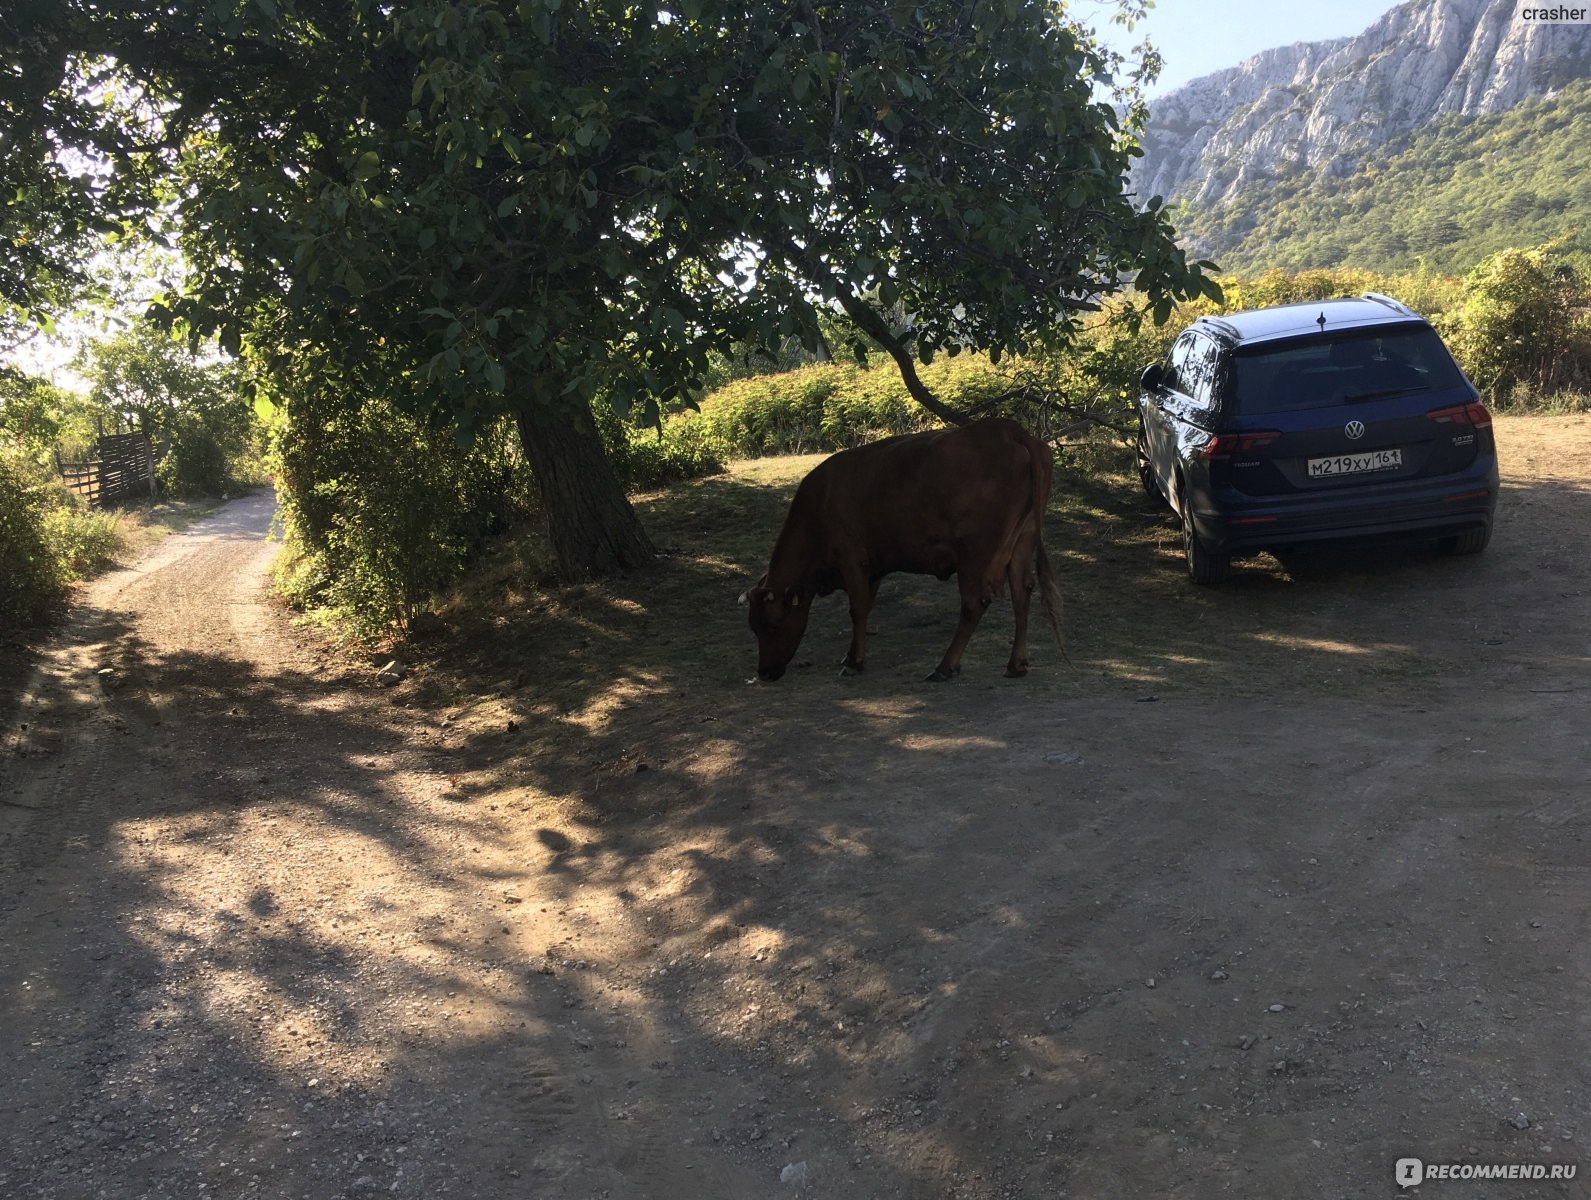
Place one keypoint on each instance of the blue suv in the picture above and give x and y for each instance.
(1334, 419)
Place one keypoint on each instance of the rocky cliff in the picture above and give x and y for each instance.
(1320, 106)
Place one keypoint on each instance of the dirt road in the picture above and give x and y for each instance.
(268, 931)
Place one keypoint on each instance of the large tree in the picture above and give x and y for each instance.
(488, 206)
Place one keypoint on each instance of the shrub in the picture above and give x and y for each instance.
(1520, 325)
(32, 578)
(83, 540)
(1526, 397)
(645, 457)
(834, 406)
(196, 464)
(381, 509)
(671, 454)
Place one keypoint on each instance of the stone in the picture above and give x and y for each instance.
(1324, 105)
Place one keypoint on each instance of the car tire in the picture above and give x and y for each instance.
(1203, 565)
(1146, 470)
(1471, 541)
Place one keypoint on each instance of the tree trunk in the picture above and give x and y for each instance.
(590, 523)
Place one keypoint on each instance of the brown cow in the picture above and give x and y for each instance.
(967, 502)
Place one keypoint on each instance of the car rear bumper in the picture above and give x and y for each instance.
(1235, 523)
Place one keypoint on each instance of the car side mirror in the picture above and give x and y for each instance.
(1152, 377)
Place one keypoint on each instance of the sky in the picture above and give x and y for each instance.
(1196, 37)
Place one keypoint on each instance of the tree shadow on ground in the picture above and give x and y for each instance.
(895, 891)
(932, 941)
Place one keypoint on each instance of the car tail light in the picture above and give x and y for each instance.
(1473, 414)
(1224, 445)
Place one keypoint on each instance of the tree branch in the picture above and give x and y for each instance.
(868, 320)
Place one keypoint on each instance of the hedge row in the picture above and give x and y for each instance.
(825, 407)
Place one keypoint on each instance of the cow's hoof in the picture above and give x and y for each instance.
(1016, 670)
(940, 676)
(847, 667)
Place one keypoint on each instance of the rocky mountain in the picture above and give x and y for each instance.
(1321, 107)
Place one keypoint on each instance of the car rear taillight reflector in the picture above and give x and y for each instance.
(1224, 445)
(1473, 414)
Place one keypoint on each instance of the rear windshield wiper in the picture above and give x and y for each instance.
(1386, 392)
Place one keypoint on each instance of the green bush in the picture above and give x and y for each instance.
(32, 578)
(83, 540)
(381, 510)
(1521, 326)
(832, 406)
(196, 463)
(1517, 326)
(645, 458)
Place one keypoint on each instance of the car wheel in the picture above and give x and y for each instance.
(1203, 566)
(1471, 541)
(1146, 470)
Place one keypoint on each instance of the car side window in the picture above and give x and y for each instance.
(1201, 377)
(1176, 377)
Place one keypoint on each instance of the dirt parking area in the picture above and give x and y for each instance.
(1267, 887)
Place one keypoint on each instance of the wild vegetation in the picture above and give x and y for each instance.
(1442, 198)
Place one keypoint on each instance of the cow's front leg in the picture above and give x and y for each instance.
(861, 591)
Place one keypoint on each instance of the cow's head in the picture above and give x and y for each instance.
(779, 619)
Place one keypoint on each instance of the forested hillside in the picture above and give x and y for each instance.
(1446, 196)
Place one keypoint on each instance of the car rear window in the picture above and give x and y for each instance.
(1320, 372)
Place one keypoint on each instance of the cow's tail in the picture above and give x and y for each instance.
(1049, 586)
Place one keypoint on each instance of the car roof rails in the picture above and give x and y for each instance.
(1224, 328)
(1396, 306)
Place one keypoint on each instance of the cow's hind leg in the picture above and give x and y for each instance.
(1022, 579)
(977, 590)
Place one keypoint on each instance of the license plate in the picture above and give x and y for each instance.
(1356, 464)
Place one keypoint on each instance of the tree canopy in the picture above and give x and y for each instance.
(484, 207)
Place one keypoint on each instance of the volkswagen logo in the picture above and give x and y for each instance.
(1355, 430)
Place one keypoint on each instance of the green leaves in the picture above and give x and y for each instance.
(486, 214)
